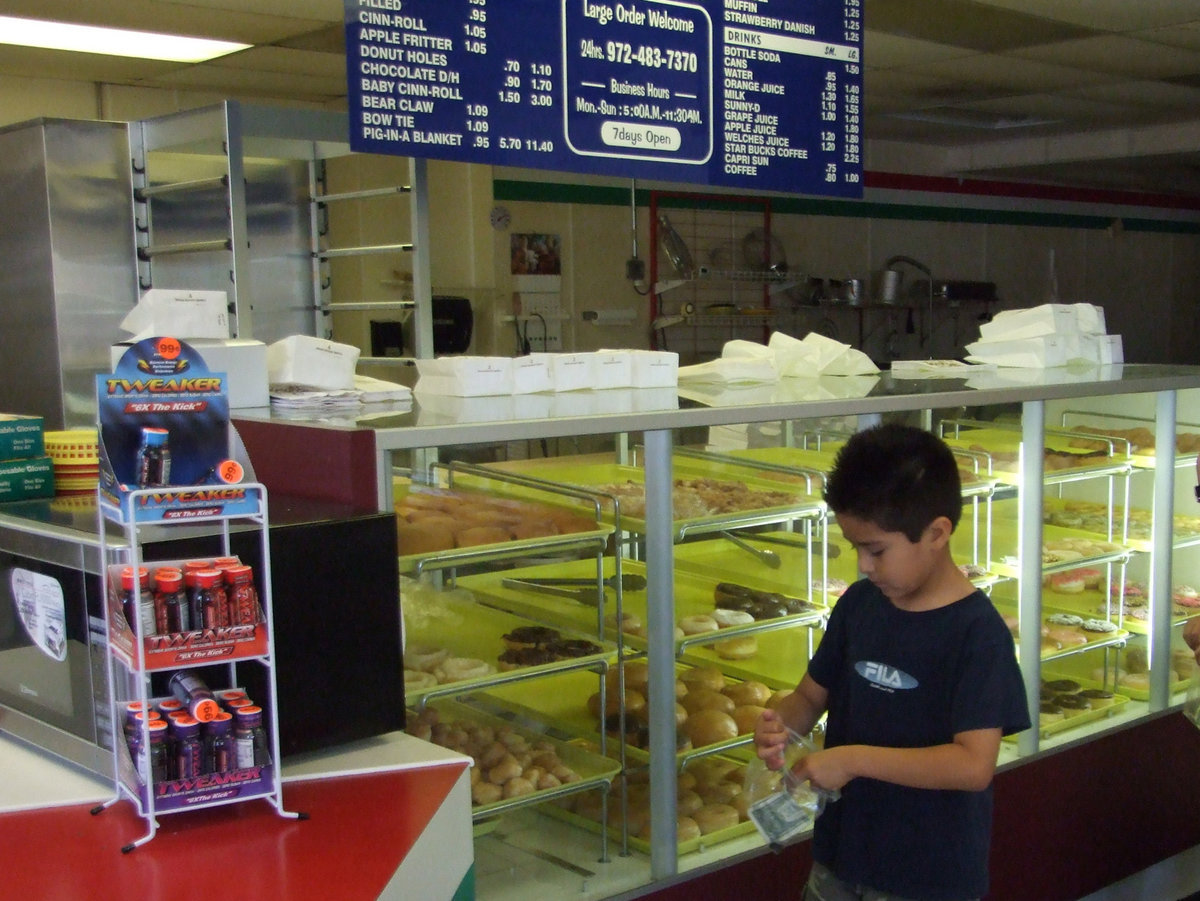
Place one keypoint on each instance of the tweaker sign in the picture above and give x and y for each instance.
(762, 94)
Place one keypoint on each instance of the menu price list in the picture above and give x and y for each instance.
(762, 94)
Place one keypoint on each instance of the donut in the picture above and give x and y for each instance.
(1098, 625)
(1064, 619)
(568, 648)
(1049, 712)
(698, 624)
(1185, 600)
(515, 658)
(1073, 705)
(745, 716)
(1186, 591)
(418, 680)
(707, 699)
(530, 637)
(713, 817)
(1091, 576)
(1098, 697)
(725, 618)
(1067, 583)
(1063, 686)
(742, 648)
(1066, 636)
(1136, 681)
(424, 657)
(456, 669)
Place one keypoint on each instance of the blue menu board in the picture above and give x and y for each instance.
(757, 94)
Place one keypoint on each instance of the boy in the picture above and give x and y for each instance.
(919, 674)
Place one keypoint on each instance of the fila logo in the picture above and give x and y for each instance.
(883, 676)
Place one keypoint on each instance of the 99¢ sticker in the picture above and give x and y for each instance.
(230, 471)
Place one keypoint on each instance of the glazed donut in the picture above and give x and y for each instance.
(697, 624)
(456, 669)
(424, 657)
(742, 648)
(418, 680)
(1066, 636)
(725, 618)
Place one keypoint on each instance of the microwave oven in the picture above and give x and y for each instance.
(335, 599)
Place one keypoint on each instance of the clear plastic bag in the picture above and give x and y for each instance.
(781, 806)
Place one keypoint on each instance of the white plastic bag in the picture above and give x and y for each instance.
(781, 806)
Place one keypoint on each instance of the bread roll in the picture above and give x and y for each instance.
(746, 716)
(748, 692)
(713, 817)
(703, 677)
(706, 727)
(706, 699)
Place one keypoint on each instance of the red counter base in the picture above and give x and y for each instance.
(1066, 825)
(359, 832)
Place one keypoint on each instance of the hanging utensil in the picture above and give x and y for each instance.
(628, 582)
(769, 558)
(589, 596)
(799, 544)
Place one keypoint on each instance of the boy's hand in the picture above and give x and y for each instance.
(770, 739)
(1191, 634)
(824, 769)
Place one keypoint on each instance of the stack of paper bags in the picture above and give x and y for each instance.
(1053, 334)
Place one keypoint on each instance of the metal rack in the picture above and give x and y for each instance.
(232, 198)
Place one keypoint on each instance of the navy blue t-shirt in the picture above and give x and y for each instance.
(913, 680)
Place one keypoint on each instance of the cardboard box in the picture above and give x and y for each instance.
(531, 375)
(24, 479)
(654, 368)
(21, 436)
(179, 312)
(613, 369)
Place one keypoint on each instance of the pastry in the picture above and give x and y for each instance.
(1097, 696)
(703, 677)
(515, 658)
(1049, 712)
(1098, 625)
(713, 817)
(1136, 681)
(569, 648)
(706, 727)
(424, 657)
(1073, 705)
(416, 680)
(474, 536)
(1067, 583)
(742, 648)
(456, 669)
(530, 637)
(1065, 636)
(746, 717)
(707, 699)
(748, 692)
(726, 618)
(698, 624)
(1064, 619)
(1063, 686)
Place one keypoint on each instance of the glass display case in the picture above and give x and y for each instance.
(1094, 587)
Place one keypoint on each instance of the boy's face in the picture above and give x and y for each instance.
(899, 568)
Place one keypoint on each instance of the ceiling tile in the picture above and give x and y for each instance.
(212, 77)
(282, 59)
(319, 10)
(1149, 97)
(964, 23)
(86, 67)
(1106, 15)
(1118, 55)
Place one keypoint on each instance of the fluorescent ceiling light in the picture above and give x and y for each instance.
(112, 41)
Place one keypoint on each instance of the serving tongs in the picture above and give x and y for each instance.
(768, 558)
(799, 544)
(583, 595)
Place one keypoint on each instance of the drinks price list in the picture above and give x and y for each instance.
(762, 94)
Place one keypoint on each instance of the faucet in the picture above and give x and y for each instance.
(921, 267)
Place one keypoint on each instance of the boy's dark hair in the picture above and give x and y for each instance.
(899, 477)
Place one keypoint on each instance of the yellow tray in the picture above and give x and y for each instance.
(1082, 670)
(474, 630)
(1007, 605)
(559, 702)
(640, 844)
(782, 651)
(1186, 529)
(593, 768)
(1079, 719)
(593, 476)
(1007, 443)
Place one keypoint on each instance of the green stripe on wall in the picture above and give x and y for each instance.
(599, 195)
(466, 888)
